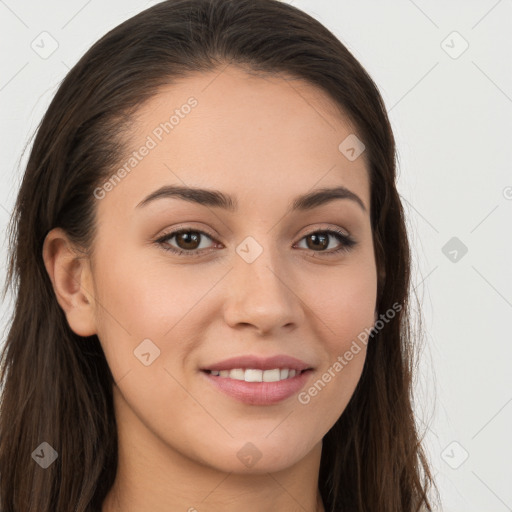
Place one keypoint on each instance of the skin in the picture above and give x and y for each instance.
(264, 141)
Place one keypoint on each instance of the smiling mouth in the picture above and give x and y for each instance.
(257, 375)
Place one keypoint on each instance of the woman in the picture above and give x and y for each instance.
(211, 271)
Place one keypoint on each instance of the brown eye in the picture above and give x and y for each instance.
(187, 241)
(318, 241)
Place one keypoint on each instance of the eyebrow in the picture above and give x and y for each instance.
(216, 199)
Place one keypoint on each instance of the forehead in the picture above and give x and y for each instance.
(248, 135)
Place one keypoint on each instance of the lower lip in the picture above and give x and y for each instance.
(259, 393)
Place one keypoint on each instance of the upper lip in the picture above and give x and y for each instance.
(258, 362)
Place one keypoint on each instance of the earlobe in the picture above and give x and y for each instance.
(71, 279)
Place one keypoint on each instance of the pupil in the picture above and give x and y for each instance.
(316, 239)
(189, 238)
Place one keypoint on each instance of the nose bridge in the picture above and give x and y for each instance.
(261, 295)
(258, 265)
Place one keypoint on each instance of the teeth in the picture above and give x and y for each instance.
(271, 375)
(255, 375)
(237, 374)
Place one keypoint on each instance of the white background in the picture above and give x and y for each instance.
(452, 119)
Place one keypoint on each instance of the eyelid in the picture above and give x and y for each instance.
(323, 226)
(184, 228)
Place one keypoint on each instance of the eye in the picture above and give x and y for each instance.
(320, 240)
(189, 241)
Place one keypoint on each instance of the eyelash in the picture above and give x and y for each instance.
(347, 242)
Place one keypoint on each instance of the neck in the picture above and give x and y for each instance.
(116, 503)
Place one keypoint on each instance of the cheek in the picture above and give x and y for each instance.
(345, 315)
(135, 303)
(325, 398)
(341, 302)
(141, 292)
(343, 305)
(164, 303)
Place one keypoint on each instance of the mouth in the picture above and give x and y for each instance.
(257, 374)
(257, 380)
(253, 386)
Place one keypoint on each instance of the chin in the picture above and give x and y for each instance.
(258, 456)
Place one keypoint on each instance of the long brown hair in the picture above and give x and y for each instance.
(57, 386)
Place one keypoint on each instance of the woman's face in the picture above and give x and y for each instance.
(263, 280)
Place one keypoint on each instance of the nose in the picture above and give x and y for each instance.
(262, 294)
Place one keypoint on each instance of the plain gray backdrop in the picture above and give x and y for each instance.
(444, 70)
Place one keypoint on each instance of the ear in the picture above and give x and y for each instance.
(71, 277)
